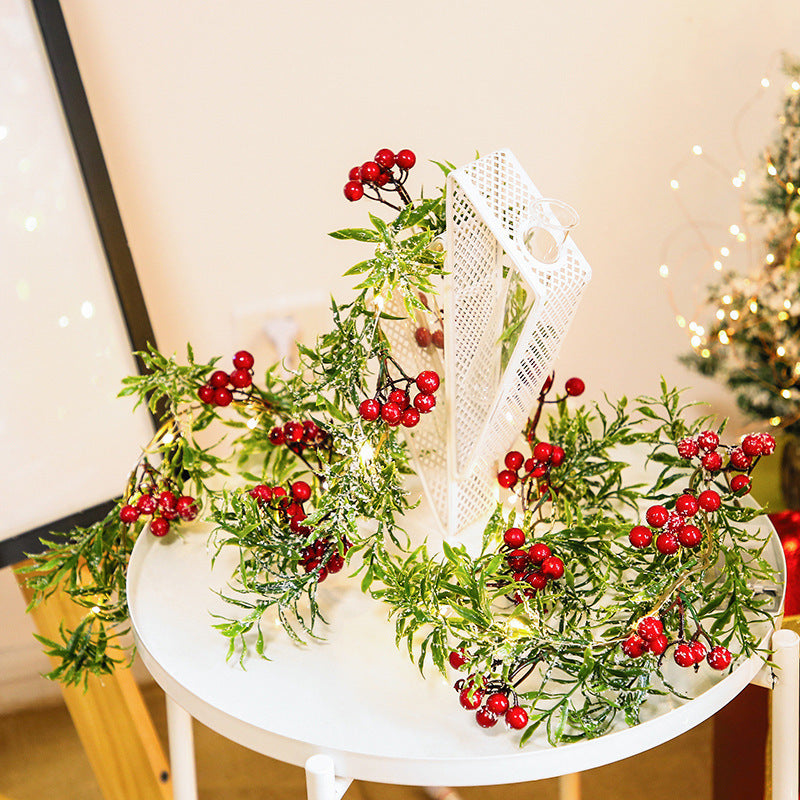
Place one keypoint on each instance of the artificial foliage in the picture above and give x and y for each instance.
(753, 340)
(588, 583)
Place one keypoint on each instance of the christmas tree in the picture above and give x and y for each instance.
(753, 344)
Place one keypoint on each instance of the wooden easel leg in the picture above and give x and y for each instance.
(111, 719)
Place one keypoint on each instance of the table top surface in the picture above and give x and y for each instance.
(354, 695)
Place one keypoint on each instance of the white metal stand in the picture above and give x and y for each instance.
(321, 780)
(181, 752)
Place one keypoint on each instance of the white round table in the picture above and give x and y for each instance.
(355, 706)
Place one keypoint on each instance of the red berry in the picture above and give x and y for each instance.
(514, 460)
(658, 644)
(422, 336)
(370, 171)
(353, 190)
(684, 657)
(529, 465)
(675, 522)
(690, 536)
(517, 559)
(206, 393)
(146, 504)
(667, 543)
(335, 563)
(542, 452)
(506, 478)
(424, 402)
(698, 651)
(128, 514)
(516, 718)
(575, 387)
(712, 461)
(437, 337)
(485, 718)
(657, 516)
(751, 445)
(186, 508)
(553, 567)
(369, 409)
(354, 174)
(166, 501)
(428, 381)
(650, 627)
(410, 418)
(261, 492)
(222, 396)
(687, 505)
(457, 659)
(384, 177)
(243, 360)
(739, 459)
(385, 158)
(399, 398)
(279, 491)
(719, 657)
(708, 440)
(557, 456)
(241, 378)
(539, 552)
(391, 414)
(514, 537)
(640, 536)
(634, 646)
(276, 435)
(405, 159)
(767, 442)
(688, 448)
(740, 484)
(293, 431)
(159, 526)
(497, 703)
(218, 379)
(301, 491)
(536, 580)
(470, 698)
(709, 500)
(539, 470)
(311, 431)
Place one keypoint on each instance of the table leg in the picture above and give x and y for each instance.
(569, 787)
(321, 780)
(785, 714)
(181, 752)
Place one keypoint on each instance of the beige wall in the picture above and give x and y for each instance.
(229, 128)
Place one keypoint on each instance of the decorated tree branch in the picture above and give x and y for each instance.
(619, 547)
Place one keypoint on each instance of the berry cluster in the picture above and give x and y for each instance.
(650, 636)
(545, 456)
(489, 699)
(387, 172)
(535, 566)
(163, 506)
(322, 554)
(222, 386)
(423, 336)
(676, 528)
(394, 405)
(706, 448)
(298, 434)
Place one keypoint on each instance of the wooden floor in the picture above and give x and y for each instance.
(41, 759)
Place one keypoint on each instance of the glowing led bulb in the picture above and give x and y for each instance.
(734, 229)
(720, 314)
(734, 314)
(795, 86)
(696, 341)
(168, 438)
(705, 352)
(781, 350)
(786, 394)
(31, 223)
(783, 316)
(663, 271)
(252, 422)
(681, 321)
(379, 301)
(87, 309)
(753, 306)
(772, 171)
(718, 265)
(770, 258)
(724, 251)
(789, 187)
(674, 184)
(787, 304)
(726, 299)
(697, 150)
(723, 337)
(765, 82)
(775, 421)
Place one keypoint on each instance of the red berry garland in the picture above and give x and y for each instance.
(393, 404)
(387, 172)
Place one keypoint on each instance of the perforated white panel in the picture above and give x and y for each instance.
(488, 202)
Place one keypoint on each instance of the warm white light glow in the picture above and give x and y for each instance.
(724, 251)
(252, 422)
(717, 265)
(31, 223)
(795, 86)
(723, 337)
(696, 341)
(775, 421)
(753, 306)
(697, 150)
(379, 301)
(705, 353)
(786, 394)
(720, 314)
(663, 271)
(168, 438)
(87, 309)
(734, 229)
(734, 314)
(783, 316)
(366, 452)
(765, 82)
(781, 350)
(770, 258)
(787, 304)
(63, 320)
(674, 184)
(726, 298)
(681, 321)
(3, 132)
(772, 171)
